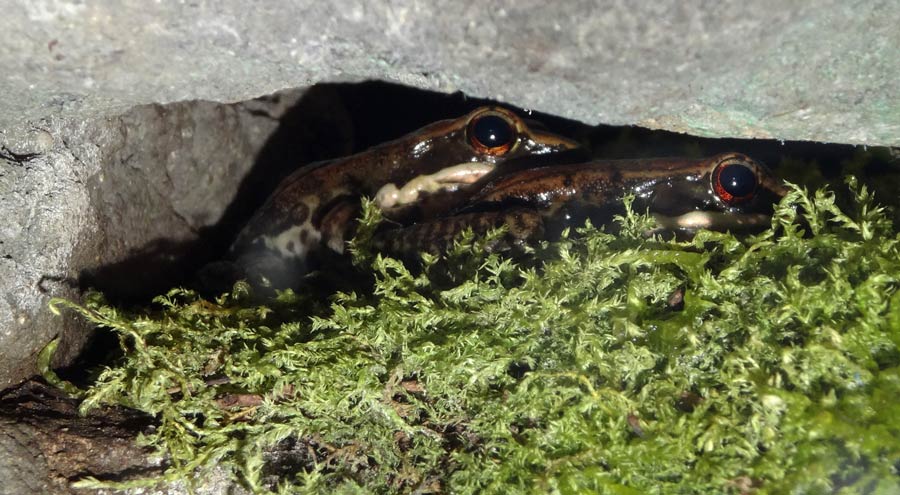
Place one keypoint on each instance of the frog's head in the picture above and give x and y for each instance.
(725, 192)
(496, 131)
(316, 206)
(730, 191)
(450, 155)
(488, 136)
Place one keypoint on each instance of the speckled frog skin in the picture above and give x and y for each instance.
(315, 208)
(730, 191)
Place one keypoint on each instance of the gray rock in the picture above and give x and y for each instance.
(823, 71)
(128, 205)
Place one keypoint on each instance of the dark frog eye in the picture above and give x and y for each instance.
(734, 181)
(491, 134)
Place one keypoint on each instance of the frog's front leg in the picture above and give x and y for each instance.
(280, 260)
(446, 179)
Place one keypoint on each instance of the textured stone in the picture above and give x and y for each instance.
(45, 444)
(132, 204)
(827, 71)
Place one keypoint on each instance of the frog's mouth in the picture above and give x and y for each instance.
(462, 175)
(713, 220)
(691, 206)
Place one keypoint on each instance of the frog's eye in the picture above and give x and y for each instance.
(734, 181)
(491, 134)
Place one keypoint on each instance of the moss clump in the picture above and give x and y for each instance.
(780, 374)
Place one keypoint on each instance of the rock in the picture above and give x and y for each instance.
(45, 444)
(130, 204)
(753, 69)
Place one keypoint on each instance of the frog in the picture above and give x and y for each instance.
(726, 192)
(314, 209)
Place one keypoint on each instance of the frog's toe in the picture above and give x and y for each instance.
(218, 277)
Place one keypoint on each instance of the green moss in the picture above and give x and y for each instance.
(780, 374)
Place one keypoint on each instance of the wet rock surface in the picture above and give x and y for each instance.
(45, 443)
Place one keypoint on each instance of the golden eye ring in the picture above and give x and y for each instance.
(492, 133)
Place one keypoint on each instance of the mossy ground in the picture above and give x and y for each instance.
(779, 373)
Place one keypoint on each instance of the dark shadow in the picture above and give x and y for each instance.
(328, 117)
(611, 142)
(321, 125)
(377, 112)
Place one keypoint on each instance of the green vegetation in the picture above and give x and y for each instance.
(780, 373)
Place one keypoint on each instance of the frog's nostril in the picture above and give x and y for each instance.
(491, 134)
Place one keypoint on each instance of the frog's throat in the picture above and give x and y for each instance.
(294, 242)
(297, 240)
(446, 179)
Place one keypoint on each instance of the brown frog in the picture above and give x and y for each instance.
(315, 208)
(729, 191)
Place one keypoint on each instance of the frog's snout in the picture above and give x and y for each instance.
(555, 142)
